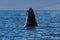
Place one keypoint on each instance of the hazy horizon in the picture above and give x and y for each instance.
(25, 4)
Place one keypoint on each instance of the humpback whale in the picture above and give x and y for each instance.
(30, 19)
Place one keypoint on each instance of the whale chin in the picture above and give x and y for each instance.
(30, 25)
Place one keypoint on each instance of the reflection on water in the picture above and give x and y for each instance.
(12, 26)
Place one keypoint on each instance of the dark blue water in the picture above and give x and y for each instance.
(12, 25)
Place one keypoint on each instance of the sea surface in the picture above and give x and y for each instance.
(12, 25)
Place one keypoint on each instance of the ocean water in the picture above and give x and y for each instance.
(12, 25)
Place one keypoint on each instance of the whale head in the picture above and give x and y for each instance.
(30, 18)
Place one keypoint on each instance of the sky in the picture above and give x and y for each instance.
(25, 4)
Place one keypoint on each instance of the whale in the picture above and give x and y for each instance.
(30, 19)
